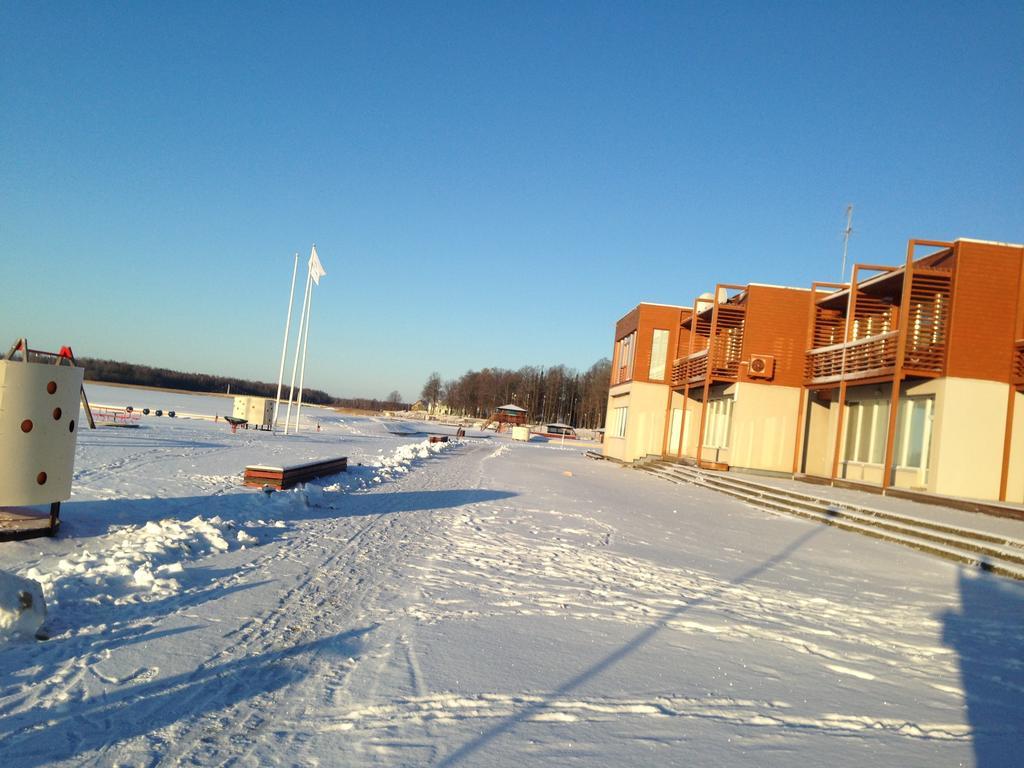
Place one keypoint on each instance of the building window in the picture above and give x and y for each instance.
(867, 425)
(624, 351)
(716, 431)
(618, 425)
(914, 432)
(659, 352)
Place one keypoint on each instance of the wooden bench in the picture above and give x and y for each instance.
(258, 475)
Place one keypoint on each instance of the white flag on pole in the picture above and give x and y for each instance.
(316, 269)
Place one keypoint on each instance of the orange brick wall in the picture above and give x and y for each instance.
(986, 291)
(777, 324)
(644, 319)
(683, 336)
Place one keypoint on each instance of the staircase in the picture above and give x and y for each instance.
(990, 552)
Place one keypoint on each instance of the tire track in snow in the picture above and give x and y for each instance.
(453, 709)
(538, 567)
(332, 597)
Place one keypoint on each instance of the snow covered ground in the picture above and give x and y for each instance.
(480, 603)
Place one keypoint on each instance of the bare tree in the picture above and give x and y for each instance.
(556, 393)
(432, 389)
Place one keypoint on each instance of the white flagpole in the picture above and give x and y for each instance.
(302, 374)
(295, 365)
(284, 349)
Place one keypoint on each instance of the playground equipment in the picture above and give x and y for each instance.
(504, 416)
(108, 416)
(39, 397)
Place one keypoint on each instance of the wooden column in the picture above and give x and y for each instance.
(1004, 475)
(1018, 334)
(707, 379)
(897, 377)
(851, 309)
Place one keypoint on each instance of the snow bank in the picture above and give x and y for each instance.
(22, 608)
(401, 459)
(135, 558)
(136, 563)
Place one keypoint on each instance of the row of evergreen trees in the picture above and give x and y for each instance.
(550, 394)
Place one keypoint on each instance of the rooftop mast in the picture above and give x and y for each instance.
(846, 238)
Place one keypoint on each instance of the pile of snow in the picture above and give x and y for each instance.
(22, 608)
(134, 558)
(402, 458)
(138, 563)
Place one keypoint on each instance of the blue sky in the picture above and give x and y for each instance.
(486, 183)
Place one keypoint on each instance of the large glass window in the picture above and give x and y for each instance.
(914, 432)
(624, 352)
(867, 425)
(659, 351)
(719, 419)
(619, 416)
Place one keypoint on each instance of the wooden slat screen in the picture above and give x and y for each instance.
(928, 321)
(690, 369)
(728, 343)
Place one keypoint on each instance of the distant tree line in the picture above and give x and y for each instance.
(115, 372)
(550, 394)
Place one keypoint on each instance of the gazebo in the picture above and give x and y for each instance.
(504, 415)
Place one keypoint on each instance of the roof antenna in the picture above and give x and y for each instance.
(846, 238)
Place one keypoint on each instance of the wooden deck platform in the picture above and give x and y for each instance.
(258, 475)
(24, 523)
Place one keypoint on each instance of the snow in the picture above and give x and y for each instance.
(479, 603)
(22, 608)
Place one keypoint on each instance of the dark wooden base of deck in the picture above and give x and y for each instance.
(17, 523)
(281, 478)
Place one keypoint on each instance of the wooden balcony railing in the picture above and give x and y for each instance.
(863, 358)
(1018, 362)
(873, 356)
(924, 356)
(690, 369)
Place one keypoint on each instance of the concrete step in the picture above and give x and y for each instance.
(717, 479)
(989, 552)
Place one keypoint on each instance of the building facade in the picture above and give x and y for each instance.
(921, 366)
(645, 343)
(737, 390)
(911, 376)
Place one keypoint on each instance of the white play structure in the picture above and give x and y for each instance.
(39, 413)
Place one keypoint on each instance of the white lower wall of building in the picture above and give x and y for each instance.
(645, 420)
(964, 447)
(764, 426)
(967, 446)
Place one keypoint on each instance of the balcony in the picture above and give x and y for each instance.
(690, 369)
(1018, 363)
(861, 359)
(874, 357)
(872, 319)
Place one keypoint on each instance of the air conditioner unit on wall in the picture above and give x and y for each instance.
(761, 366)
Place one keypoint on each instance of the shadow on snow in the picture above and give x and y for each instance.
(39, 737)
(988, 636)
(613, 658)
